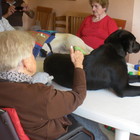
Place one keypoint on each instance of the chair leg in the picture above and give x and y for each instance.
(89, 133)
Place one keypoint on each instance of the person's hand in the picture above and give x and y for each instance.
(77, 58)
(27, 10)
(25, 7)
(10, 11)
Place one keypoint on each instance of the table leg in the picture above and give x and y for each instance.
(121, 135)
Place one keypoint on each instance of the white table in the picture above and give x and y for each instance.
(105, 107)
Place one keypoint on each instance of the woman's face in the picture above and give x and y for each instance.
(98, 9)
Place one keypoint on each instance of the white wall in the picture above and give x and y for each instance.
(136, 30)
(122, 9)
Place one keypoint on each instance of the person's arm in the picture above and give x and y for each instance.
(27, 10)
(10, 11)
(6, 25)
(60, 103)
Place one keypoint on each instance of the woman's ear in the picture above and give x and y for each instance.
(29, 65)
(22, 67)
(25, 63)
(105, 9)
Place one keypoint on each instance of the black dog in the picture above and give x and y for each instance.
(105, 67)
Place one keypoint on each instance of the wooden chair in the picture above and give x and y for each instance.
(73, 21)
(59, 22)
(120, 23)
(43, 16)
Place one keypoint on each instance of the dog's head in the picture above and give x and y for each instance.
(123, 42)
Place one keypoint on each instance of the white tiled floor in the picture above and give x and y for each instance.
(111, 134)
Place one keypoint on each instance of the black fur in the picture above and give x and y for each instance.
(105, 67)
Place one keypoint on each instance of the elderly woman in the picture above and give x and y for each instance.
(41, 109)
(97, 27)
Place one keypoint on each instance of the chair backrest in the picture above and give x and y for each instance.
(43, 16)
(120, 23)
(7, 130)
(10, 125)
(73, 21)
(59, 22)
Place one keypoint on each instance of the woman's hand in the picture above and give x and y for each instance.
(77, 58)
(10, 11)
(27, 10)
(25, 7)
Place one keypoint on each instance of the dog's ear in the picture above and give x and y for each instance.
(120, 50)
(128, 40)
(123, 41)
(114, 40)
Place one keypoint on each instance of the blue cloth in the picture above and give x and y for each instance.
(38, 46)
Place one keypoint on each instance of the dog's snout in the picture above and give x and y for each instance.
(136, 47)
(138, 44)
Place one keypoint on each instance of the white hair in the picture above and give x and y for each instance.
(14, 47)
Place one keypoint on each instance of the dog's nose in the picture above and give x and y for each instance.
(134, 48)
(138, 45)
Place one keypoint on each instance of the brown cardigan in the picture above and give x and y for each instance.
(42, 108)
